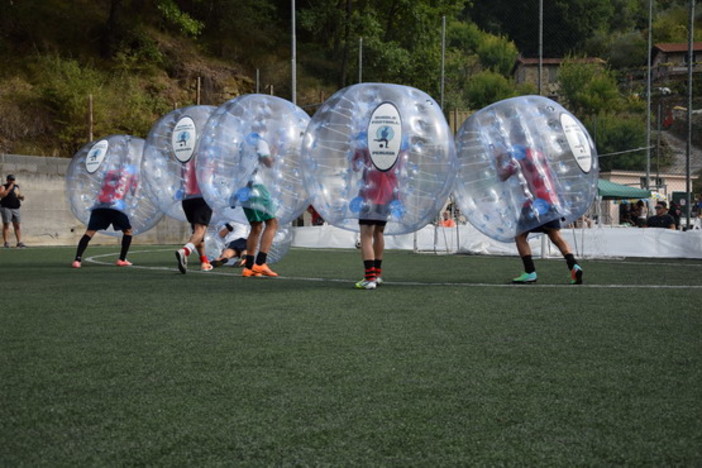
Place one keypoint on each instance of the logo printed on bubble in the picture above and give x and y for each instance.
(183, 139)
(96, 155)
(384, 136)
(578, 142)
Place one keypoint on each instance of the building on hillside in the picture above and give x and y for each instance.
(526, 71)
(669, 60)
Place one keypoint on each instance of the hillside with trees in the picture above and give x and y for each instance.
(127, 62)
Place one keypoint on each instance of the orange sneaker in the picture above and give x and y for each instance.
(249, 273)
(123, 263)
(264, 270)
(75, 264)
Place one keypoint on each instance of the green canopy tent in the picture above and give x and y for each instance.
(607, 190)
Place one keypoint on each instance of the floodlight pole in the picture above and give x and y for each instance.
(541, 46)
(360, 60)
(294, 57)
(443, 61)
(690, 57)
(648, 96)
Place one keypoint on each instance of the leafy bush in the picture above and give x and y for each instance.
(614, 133)
(487, 87)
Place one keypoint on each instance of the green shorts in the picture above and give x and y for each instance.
(259, 207)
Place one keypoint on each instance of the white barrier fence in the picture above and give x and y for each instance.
(598, 242)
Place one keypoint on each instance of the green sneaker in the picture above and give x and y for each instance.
(576, 275)
(525, 278)
(366, 284)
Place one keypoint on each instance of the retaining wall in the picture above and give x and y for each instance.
(46, 216)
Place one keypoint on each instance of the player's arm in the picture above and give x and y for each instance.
(506, 166)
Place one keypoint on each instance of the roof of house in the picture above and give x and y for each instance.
(558, 61)
(677, 46)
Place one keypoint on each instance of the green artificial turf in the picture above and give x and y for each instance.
(445, 365)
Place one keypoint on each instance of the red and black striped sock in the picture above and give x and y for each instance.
(369, 267)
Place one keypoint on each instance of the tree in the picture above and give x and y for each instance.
(587, 87)
(567, 23)
(487, 87)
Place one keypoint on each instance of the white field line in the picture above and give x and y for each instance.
(235, 273)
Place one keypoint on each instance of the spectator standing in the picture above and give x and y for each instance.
(10, 202)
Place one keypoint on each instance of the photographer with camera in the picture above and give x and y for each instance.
(10, 198)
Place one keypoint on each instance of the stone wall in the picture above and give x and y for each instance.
(46, 216)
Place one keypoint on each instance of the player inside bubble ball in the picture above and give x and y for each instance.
(259, 207)
(234, 236)
(198, 213)
(375, 201)
(541, 201)
(108, 210)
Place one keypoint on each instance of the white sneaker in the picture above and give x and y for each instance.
(182, 260)
(365, 284)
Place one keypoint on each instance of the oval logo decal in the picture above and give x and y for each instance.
(96, 155)
(578, 142)
(183, 139)
(384, 136)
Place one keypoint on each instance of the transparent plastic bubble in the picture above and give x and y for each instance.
(106, 174)
(379, 151)
(524, 162)
(249, 156)
(215, 243)
(168, 166)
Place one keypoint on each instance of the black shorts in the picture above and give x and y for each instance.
(372, 222)
(238, 245)
(101, 218)
(197, 211)
(551, 225)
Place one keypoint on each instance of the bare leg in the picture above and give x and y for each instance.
(254, 236)
(268, 235)
(18, 232)
(523, 246)
(378, 242)
(558, 241)
(198, 238)
(367, 251)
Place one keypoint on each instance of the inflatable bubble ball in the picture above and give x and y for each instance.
(249, 156)
(524, 162)
(168, 166)
(379, 151)
(215, 243)
(106, 174)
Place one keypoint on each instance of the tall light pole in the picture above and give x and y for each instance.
(443, 61)
(360, 60)
(648, 96)
(541, 45)
(690, 65)
(293, 67)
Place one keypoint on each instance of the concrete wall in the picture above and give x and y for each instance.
(46, 217)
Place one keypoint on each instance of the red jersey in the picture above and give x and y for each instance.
(190, 186)
(534, 167)
(379, 187)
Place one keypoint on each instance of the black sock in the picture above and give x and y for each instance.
(82, 245)
(528, 264)
(369, 270)
(570, 260)
(126, 242)
(249, 261)
(261, 258)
